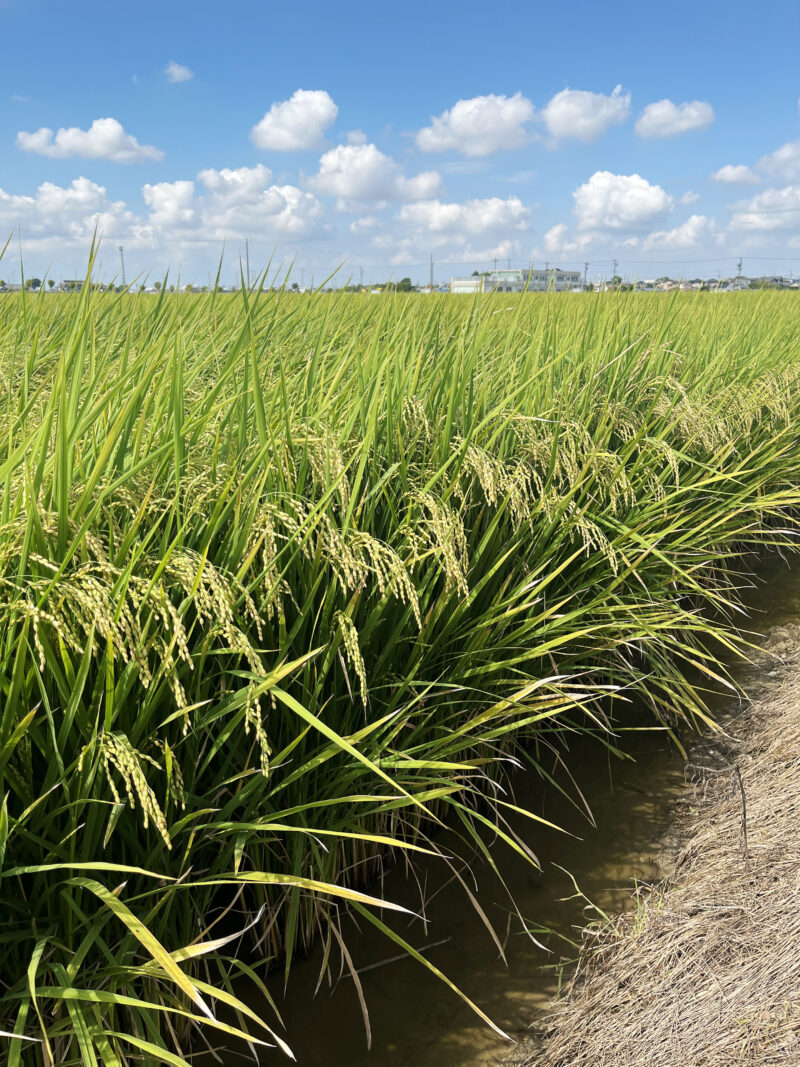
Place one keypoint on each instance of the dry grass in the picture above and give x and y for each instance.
(707, 970)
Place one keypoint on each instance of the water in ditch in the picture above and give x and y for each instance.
(416, 1021)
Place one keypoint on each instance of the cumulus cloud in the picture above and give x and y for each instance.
(557, 239)
(472, 217)
(241, 202)
(479, 126)
(296, 124)
(235, 204)
(696, 230)
(171, 203)
(366, 225)
(176, 72)
(105, 139)
(360, 174)
(356, 137)
(584, 115)
(67, 214)
(665, 119)
(404, 251)
(182, 219)
(477, 230)
(783, 163)
(774, 209)
(240, 185)
(614, 202)
(735, 173)
(690, 197)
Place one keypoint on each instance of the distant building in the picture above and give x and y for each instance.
(532, 281)
(465, 285)
(71, 285)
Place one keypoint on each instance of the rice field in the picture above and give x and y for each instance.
(289, 581)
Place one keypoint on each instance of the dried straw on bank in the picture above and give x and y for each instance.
(707, 970)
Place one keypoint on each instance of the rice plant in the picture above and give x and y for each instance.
(288, 581)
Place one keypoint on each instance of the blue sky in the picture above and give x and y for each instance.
(664, 136)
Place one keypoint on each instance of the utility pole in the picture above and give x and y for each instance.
(585, 272)
(508, 263)
(495, 262)
(431, 271)
(614, 274)
(247, 259)
(739, 267)
(122, 261)
(361, 277)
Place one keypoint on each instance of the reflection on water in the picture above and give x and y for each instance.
(416, 1021)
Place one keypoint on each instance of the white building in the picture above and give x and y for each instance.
(465, 285)
(533, 280)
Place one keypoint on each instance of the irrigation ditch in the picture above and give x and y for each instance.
(704, 968)
(647, 827)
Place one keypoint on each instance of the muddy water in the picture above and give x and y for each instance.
(416, 1021)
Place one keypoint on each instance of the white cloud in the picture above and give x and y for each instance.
(584, 115)
(241, 203)
(365, 225)
(772, 210)
(356, 137)
(359, 174)
(491, 215)
(171, 203)
(236, 204)
(105, 139)
(557, 240)
(690, 197)
(404, 251)
(176, 72)
(238, 186)
(183, 219)
(783, 163)
(613, 202)
(296, 124)
(63, 214)
(479, 126)
(474, 231)
(665, 119)
(735, 173)
(694, 231)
